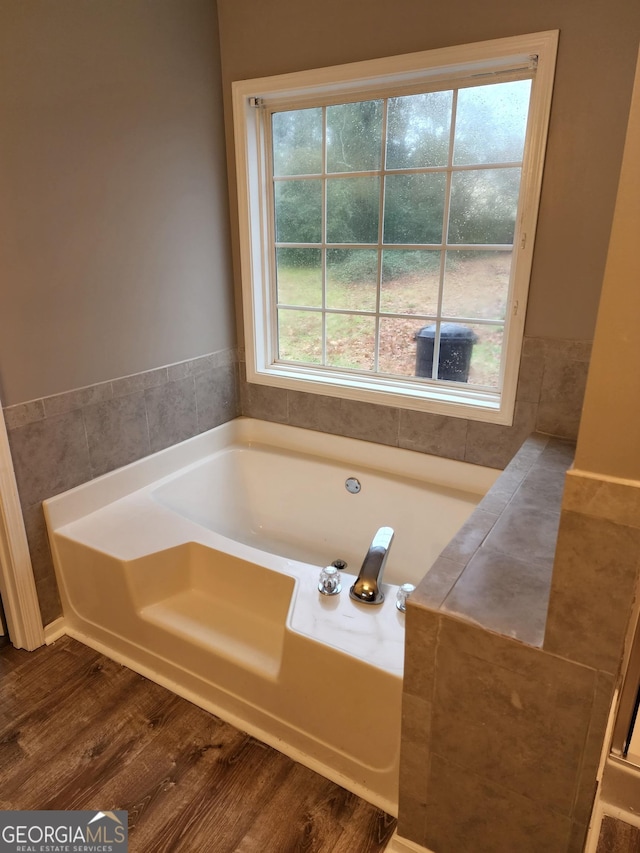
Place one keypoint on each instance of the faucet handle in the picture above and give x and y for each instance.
(329, 581)
(403, 593)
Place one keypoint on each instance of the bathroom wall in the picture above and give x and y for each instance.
(595, 67)
(117, 329)
(113, 199)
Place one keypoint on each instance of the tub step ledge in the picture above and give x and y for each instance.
(222, 628)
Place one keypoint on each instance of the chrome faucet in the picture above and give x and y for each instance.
(367, 588)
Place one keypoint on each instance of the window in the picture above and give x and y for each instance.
(387, 217)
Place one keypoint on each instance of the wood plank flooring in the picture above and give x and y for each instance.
(78, 731)
(616, 836)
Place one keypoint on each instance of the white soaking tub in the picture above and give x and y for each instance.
(198, 567)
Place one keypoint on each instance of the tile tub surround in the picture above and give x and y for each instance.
(505, 702)
(549, 400)
(67, 439)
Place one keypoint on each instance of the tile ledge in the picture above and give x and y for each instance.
(580, 473)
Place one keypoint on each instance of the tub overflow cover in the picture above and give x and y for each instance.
(352, 485)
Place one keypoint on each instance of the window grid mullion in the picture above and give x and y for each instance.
(381, 195)
(390, 315)
(273, 317)
(323, 253)
(445, 234)
(414, 170)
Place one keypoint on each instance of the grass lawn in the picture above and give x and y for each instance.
(475, 287)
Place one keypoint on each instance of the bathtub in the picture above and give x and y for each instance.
(198, 567)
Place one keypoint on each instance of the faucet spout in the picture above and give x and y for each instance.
(367, 588)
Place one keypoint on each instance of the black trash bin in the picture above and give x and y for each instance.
(456, 344)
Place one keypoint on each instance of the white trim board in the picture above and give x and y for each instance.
(17, 584)
(403, 845)
(54, 630)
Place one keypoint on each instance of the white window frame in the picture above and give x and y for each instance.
(396, 74)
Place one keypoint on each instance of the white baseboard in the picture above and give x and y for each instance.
(54, 630)
(403, 845)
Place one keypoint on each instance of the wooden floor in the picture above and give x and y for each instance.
(618, 837)
(78, 731)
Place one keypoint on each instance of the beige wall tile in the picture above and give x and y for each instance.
(411, 817)
(42, 563)
(470, 536)
(577, 837)
(416, 719)
(495, 445)
(509, 481)
(217, 396)
(523, 727)
(369, 422)
(70, 400)
(171, 413)
(117, 432)
(469, 814)
(531, 371)
(414, 765)
(438, 582)
(616, 501)
(50, 456)
(503, 594)
(594, 580)
(436, 434)
(314, 411)
(422, 626)
(24, 413)
(263, 402)
(533, 538)
(48, 598)
(562, 396)
(587, 783)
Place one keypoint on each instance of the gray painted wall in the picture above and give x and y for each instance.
(114, 256)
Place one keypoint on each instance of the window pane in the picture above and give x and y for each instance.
(298, 211)
(297, 142)
(484, 204)
(354, 137)
(486, 356)
(491, 122)
(350, 341)
(352, 278)
(299, 277)
(418, 128)
(413, 208)
(300, 336)
(476, 284)
(397, 350)
(410, 281)
(353, 210)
